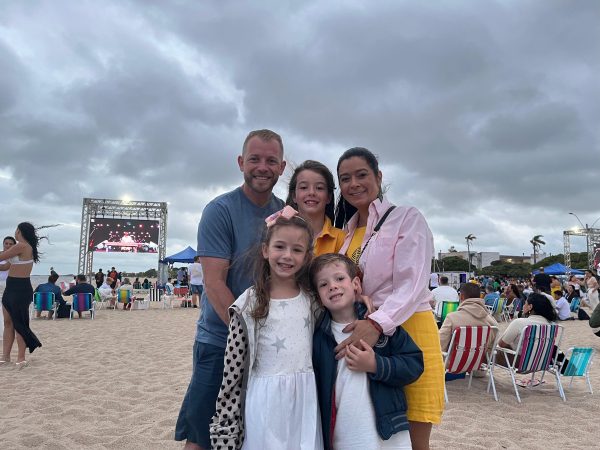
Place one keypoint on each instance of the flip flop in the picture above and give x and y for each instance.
(22, 364)
(527, 383)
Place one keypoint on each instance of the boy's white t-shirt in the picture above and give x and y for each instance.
(355, 427)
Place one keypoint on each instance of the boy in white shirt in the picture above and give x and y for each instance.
(361, 397)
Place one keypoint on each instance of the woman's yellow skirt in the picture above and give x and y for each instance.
(425, 396)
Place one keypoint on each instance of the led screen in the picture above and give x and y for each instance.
(123, 235)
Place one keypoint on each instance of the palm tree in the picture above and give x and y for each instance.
(537, 242)
(469, 238)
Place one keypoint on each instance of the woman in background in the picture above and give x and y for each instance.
(18, 294)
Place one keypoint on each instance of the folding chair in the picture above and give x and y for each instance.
(575, 303)
(99, 300)
(82, 302)
(43, 301)
(123, 296)
(446, 308)
(468, 351)
(537, 351)
(580, 360)
(498, 308)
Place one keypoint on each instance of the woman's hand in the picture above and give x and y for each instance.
(361, 330)
(361, 358)
(366, 300)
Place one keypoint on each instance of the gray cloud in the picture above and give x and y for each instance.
(483, 114)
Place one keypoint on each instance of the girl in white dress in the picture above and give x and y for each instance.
(268, 397)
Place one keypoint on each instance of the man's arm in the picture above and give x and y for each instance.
(215, 284)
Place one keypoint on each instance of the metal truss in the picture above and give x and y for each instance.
(592, 236)
(103, 207)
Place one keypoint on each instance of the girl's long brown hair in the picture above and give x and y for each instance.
(262, 270)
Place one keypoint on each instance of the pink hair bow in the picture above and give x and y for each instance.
(287, 213)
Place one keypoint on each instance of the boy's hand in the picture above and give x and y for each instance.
(361, 358)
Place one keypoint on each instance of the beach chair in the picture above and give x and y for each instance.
(43, 301)
(100, 301)
(536, 351)
(469, 351)
(498, 309)
(123, 296)
(579, 362)
(82, 302)
(141, 299)
(575, 303)
(446, 308)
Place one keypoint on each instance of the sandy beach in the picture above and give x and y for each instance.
(118, 381)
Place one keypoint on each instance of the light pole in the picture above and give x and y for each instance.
(587, 231)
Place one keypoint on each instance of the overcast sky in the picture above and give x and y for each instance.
(485, 115)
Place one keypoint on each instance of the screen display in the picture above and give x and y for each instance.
(123, 235)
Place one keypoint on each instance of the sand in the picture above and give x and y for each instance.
(118, 382)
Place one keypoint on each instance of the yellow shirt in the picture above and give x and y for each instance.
(355, 248)
(330, 240)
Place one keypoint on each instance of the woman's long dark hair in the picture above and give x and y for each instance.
(30, 235)
(262, 270)
(321, 169)
(344, 210)
(542, 306)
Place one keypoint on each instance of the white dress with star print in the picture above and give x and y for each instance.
(281, 410)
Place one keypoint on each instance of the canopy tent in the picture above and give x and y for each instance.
(184, 256)
(558, 269)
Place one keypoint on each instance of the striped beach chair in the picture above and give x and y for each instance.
(579, 362)
(469, 349)
(498, 308)
(82, 302)
(43, 301)
(123, 296)
(536, 351)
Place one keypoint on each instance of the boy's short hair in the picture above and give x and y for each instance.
(321, 261)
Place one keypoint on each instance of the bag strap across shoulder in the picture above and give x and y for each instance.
(378, 226)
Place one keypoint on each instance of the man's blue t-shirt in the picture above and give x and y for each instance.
(230, 228)
(50, 287)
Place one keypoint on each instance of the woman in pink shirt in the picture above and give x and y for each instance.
(394, 254)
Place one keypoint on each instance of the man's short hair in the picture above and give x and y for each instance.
(196, 258)
(470, 290)
(81, 277)
(264, 135)
(489, 288)
(444, 280)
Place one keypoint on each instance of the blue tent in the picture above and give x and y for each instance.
(184, 256)
(558, 269)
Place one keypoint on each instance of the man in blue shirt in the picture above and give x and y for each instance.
(50, 286)
(230, 228)
(491, 296)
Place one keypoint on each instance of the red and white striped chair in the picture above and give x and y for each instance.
(469, 349)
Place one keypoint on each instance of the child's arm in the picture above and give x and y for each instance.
(403, 366)
(227, 427)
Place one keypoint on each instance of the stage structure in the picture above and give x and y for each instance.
(592, 238)
(122, 226)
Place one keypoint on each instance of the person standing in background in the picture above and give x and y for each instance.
(196, 281)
